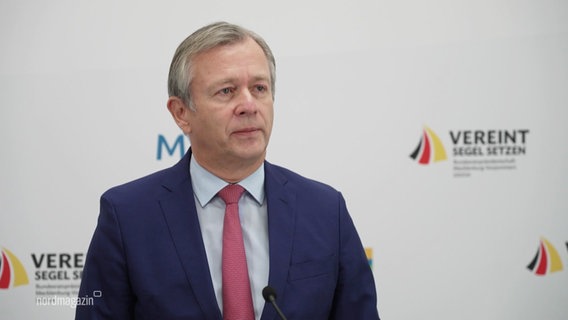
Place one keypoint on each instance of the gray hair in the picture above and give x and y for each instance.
(206, 38)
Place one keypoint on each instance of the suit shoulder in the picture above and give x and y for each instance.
(146, 187)
(301, 182)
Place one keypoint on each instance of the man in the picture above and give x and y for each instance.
(163, 247)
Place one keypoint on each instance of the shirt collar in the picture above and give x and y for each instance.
(206, 185)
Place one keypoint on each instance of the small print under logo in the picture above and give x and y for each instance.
(547, 260)
(430, 148)
(12, 272)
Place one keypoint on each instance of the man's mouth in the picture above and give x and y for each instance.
(246, 131)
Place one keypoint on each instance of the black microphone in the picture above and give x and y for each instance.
(269, 295)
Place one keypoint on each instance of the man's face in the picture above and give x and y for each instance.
(233, 103)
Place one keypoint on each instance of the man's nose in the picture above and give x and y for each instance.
(246, 103)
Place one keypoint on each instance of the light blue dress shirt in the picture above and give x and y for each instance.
(253, 214)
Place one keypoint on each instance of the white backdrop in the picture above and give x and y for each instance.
(82, 104)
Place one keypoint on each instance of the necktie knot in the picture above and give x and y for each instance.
(231, 193)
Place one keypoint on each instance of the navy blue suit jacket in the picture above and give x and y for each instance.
(147, 260)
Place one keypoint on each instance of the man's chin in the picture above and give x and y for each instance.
(250, 155)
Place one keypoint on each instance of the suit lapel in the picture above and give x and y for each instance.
(281, 219)
(181, 216)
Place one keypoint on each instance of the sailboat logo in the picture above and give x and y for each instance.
(12, 272)
(430, 148)
(546, 260)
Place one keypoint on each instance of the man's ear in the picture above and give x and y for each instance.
(181, 114)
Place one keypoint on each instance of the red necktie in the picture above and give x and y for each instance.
(237, 299)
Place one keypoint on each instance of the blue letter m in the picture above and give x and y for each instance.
(163, 143)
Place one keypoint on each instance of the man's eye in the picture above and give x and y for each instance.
(226, 91)
(261, 88)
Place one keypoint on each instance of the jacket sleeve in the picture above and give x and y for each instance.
(105, 276)
(355, 296)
